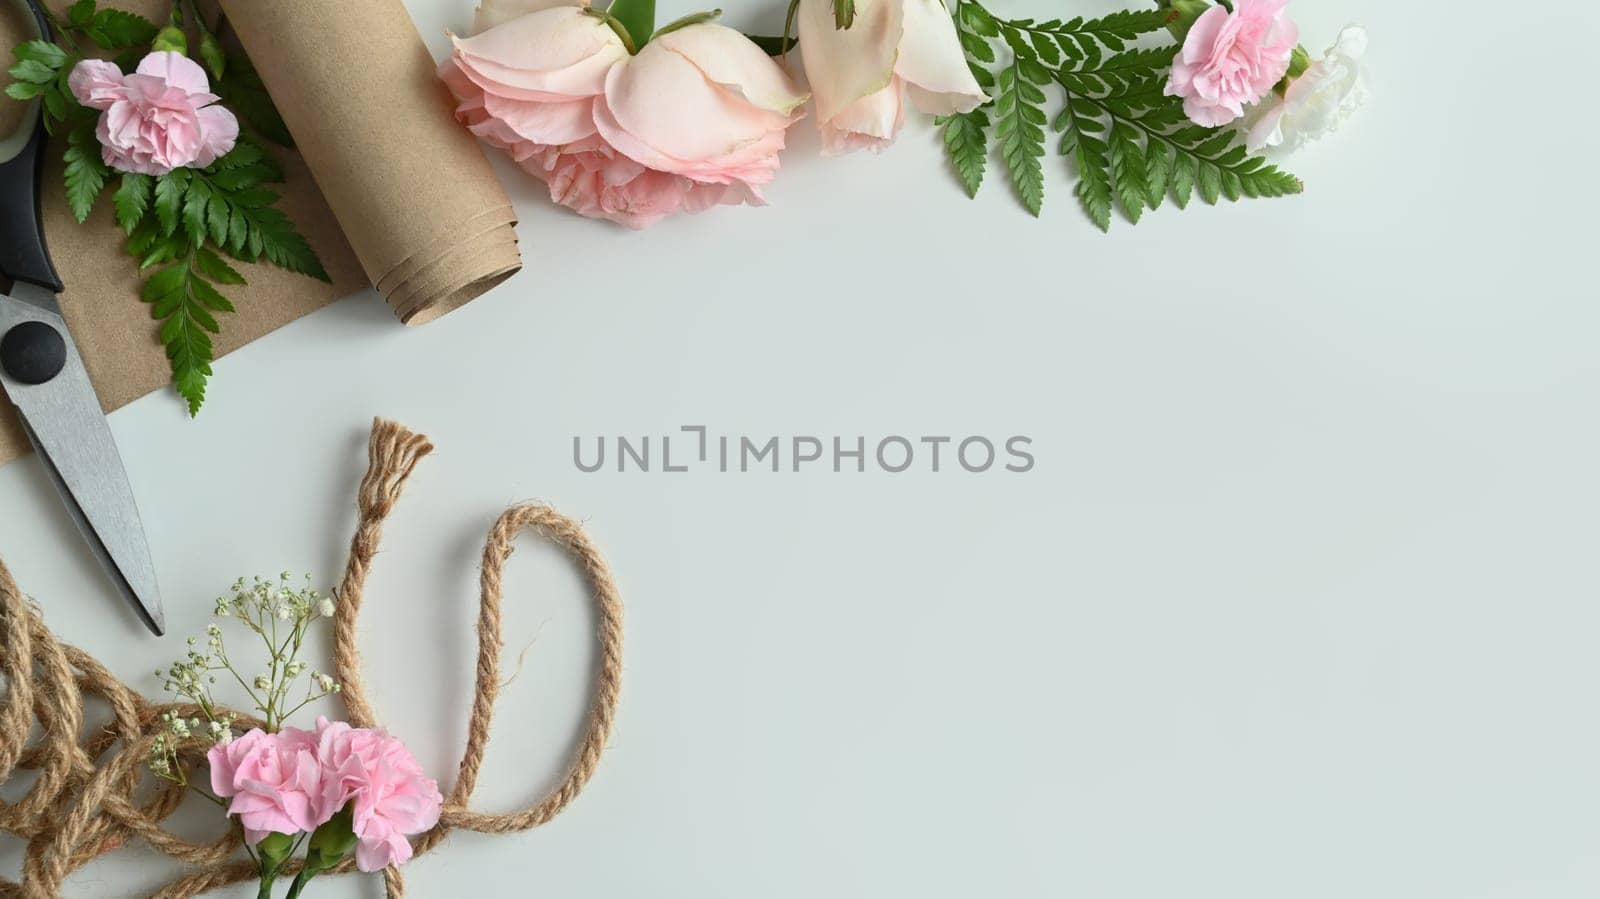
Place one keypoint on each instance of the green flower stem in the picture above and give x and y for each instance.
(686, 21)
(617, 27)
(638, 17)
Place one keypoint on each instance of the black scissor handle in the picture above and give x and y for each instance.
(23, 256)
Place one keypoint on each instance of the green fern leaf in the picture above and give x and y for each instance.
(86, 172)
(1020, 130)
(1128, 171)
(966, 142)
(132, 200)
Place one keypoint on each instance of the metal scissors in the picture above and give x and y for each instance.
(44, 377)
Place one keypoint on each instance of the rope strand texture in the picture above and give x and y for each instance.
(83, 803)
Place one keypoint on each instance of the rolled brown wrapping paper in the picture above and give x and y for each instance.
(411, 188)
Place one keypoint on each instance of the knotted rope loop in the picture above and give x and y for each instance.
(83, 803)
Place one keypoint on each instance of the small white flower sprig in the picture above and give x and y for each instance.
(280, 615)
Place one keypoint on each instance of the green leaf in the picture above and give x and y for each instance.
(86, 172)
(115, 29)
(966, 142)
(1131, 145)
(242, 91)
(1020, 130)
(80, 14)
(32, 71)
(211, 54)
(284, 246)
(132, 200)
(170, 189)
(1158, 172)
(165, 283)
(194, 210)
(1183, 170)
(22, 90)
(208, 297)
(218, 212)
(185, 302)
(1127, 171)
(42, 52)
(1094, 180)
(248, 154)
(978, 20)
(214, 267)
(254, 198)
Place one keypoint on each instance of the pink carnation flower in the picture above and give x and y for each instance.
(274, 780)
(159, 118)
(392, 798)
(1232, 59)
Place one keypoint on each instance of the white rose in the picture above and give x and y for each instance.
(862, 76)
(1317, 102)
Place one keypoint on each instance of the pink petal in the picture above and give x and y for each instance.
(932, 62)
(560, 51)
(545, 123)
(703, 131)
(219, 132)
(96, 83)
(844, 66)
(177, 70)
(870, 122)
(729, 59)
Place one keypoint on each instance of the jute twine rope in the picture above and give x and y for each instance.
(91, 795)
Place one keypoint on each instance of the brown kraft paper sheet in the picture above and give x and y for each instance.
(430, 242)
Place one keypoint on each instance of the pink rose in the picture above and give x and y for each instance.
(159, 118)
(695, 119)
(1231, 59)
(392, 797)
(861, 76)
(274, 780)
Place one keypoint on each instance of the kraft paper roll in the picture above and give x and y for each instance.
(411, 188)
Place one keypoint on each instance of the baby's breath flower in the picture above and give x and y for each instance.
(263, 606)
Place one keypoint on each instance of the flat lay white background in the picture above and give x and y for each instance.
(1299, 601)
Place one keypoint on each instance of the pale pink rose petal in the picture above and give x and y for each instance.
(869, 123)
(705, 129)
(730, 60)
(560, 51)
(932, 62)
(545, 123)
(845, 65)
(694, 120)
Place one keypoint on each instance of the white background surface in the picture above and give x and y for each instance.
(1298, 602)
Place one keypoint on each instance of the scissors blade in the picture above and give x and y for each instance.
(63, 420)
